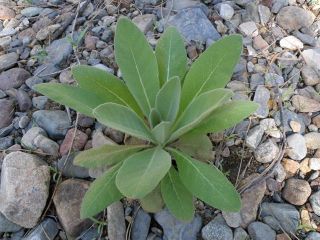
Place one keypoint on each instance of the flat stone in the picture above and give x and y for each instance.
(7, 226)
(6, 142)
(24, 188)
(116, 221)
(254, 136)
(23, 100)
(289, 116)
(141, 225)
(305, 104)
(261, 231)
(266, 151)
(264, 14)
(297, 149)
(40, 102)
(67, 201)
(293, 18)
(54, 122)
(226, 11)
(5, 41)
(46, 145)
(6, 13)
(217, 229)
(296, 191)
(312, 140)
(314, 164)
(45, 72)
(233, 219)
(312, 58)
(240, 234)
(46, 230)
(290, 166)
(31, 11)
(177, 230)
(310, 76)
(27, 140)
(188, 21)
(144, 22)
(249, 29)
(6, 112)
(286, 214)
(251, 199)
(291, 43)
(58, 51)
(76, 143)
(262, 96)
(8, 60)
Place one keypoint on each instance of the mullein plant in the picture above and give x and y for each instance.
(169, 106)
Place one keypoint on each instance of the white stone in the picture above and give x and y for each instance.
(297, 148)
(291, 42)
(226, 11)
(249, 29)
(314, 163)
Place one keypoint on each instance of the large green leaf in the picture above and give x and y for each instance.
(142, 172)
(137, 63)
(123, 119)
(104, 84)
(152, 202)
(101, 193)
(171, 55)
(177, 198)
(161, 132)
(226, 116)
(73, 97)
(213, 69)
(106, 155)
(196, 146)
(198, 110)
(207, 183)
(168, 99)
(154, 117)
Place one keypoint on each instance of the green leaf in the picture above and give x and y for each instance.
(106, 155)
(106, 85)
(226, 116)
(198, 110)
(213, 69)
(171, 55)
(73, 97)
(196, 146)
(142, 172)
(137, 63)
(101, 193)
(207, 183)
(123, 119)
(154, 117)
(177, 198)
(152, 202)
(168, 99)
(161, 132)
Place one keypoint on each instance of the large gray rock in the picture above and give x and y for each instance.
(13, 78)
(24, 188)
(287, 215)
(217, 229)
(188, 22)
(261, 231)
(293, 18)
(177, 230)
(54, 122)
(67, 201)
(6, 112)
(46, 230)
(58, 51)
(296, 191)
(8, 60)
(315, 202)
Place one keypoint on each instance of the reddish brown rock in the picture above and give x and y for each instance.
(67, 201)
(78, 143)
(6, 13)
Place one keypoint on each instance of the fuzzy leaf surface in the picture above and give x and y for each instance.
(213, 69)
(101, 193)
(142, 172)
(106, 155)
(207, 183)
(177, 198)
(123, 119)
(137, 63)
(171, 55)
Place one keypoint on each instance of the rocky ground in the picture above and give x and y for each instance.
(273, 157)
